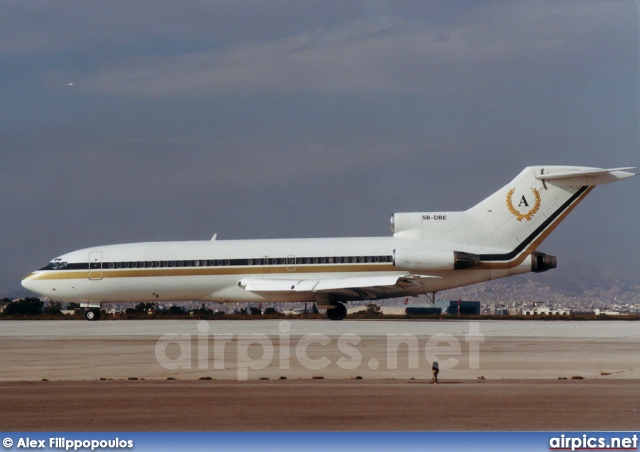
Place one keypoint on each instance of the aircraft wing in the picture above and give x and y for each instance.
(359, 286)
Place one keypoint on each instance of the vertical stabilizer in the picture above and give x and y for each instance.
(514, 220)
(519, 216)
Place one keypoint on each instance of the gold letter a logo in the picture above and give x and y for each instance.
(523, 201)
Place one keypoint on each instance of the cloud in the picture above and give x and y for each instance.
(502, 43)
(74, 26)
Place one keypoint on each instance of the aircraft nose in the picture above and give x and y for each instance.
(28, 283)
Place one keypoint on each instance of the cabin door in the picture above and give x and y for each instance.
(95, 265)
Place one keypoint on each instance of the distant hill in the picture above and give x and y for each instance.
(570, 288)
(18, 293)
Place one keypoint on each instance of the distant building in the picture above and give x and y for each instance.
(606, 312)
(537, 310)
(545, 311)
(585, 312)
(455, 307)
(422, 309)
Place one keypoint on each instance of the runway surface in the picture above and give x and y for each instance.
(350, 375)
(250, 350)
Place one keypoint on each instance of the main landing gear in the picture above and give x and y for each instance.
(91, 310)
(92, 314)
(338, 311)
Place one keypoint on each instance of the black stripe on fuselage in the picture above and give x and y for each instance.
(525, 243)
(198, 263)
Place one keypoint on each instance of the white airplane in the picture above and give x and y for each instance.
(428, 252)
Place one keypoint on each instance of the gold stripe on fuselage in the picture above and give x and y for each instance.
(207, 271)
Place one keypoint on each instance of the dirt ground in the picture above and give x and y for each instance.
(320, 405)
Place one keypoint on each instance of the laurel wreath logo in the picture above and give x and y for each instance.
(527, 216)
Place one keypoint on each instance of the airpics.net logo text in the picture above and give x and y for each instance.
(209, 350)
(592, 442)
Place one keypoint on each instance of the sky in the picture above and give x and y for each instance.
(159, 120)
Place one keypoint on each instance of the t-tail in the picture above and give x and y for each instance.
(504, 229)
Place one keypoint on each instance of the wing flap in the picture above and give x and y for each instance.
(357, 282)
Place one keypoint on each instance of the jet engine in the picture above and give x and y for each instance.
(436, 260)
(541, 262)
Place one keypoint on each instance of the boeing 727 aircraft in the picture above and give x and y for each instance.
(428, 252)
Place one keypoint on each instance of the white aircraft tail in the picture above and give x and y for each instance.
(516, 218)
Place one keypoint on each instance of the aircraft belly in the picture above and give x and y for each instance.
(130, 289)
(165, 288)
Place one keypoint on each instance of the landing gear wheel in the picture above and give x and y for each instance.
(92, 314)
(337, 313)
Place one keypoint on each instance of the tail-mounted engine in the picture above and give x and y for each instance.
(421, 260)
(541, 262)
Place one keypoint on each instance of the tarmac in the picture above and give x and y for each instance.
(319, 375)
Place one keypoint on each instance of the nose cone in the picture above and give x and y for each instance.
(30, 283)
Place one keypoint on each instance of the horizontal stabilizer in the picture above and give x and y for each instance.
(586, 176)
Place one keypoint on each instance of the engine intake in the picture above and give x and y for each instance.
(465, 260)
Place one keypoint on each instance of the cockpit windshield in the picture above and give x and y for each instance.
(55, 265)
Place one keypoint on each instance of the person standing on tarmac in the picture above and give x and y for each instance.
(435, 369)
